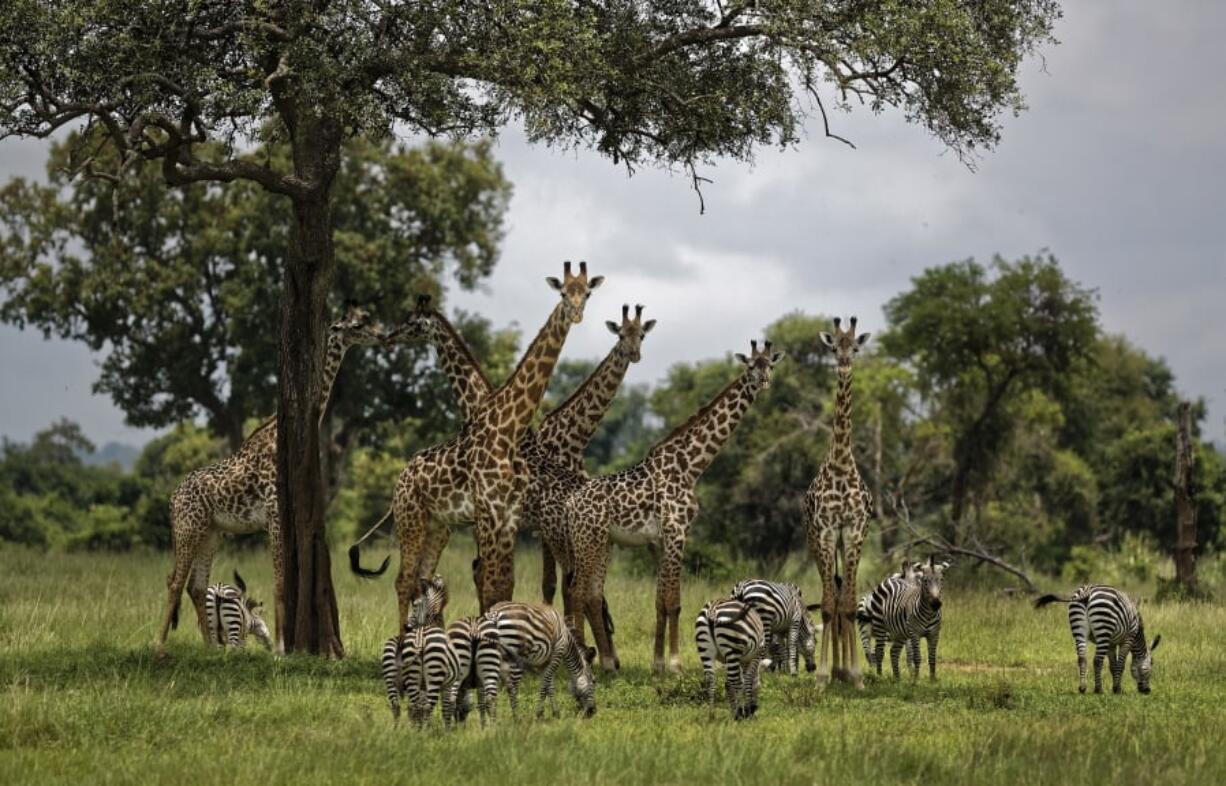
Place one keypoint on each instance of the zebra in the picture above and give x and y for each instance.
(786, 619)
(902, 610)
(421, 665)
(532, 634)
(475, 641)
(864, 616)
(231, 615)
(732, 632)
(1115, 624)
(427, 607)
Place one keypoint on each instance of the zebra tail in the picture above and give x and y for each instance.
(1046, 599)
(355, 556)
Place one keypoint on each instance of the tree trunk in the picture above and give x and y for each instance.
(1185, 502)
(311, 620)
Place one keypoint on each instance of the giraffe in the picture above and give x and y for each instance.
(478, 476)
(837, 507)
(238, 494)
(554, 450)
(653, 502)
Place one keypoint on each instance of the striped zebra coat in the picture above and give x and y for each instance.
(731, 632)
(421, 665)
(903, 609)
(475, 641)
(1113, 622)
(786, 619)
(230, 615)
(532, 635)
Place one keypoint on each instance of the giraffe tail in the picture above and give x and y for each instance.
(355, 557)
(1046, 599)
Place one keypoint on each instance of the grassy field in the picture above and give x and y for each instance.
(82, 700)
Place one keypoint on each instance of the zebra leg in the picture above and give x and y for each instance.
(1099, 651)
(708, 687)
(895, 649)
(933, 637)
(1118, 657)
(732, 686)
(515, 675)
(449, 705)
(752, 683)
(1081, 665)
(879, 654)
(913, 657)
(793, 647)
(547, 675)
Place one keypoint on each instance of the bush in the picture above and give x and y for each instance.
(1135, 560)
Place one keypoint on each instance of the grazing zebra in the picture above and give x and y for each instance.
(475, 641)
(786, 619)
(421, 665)
(231, 615)
(1114, 622)
(531, 634)
(731, 632)
(902, 610)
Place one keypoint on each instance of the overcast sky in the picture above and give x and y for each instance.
(1118, 168)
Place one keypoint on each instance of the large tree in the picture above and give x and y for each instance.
(978, 339)
(173, 284)
(675, 83)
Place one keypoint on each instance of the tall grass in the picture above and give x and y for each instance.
(83, 701)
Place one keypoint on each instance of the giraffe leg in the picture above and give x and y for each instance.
(588, 590)
(272, 522)
(496, 545)
(189, 528)
(549, 575)
(852, 548)
(668, 605)
(198, 583)
(432, 551)
(412, 520)
(821, 546)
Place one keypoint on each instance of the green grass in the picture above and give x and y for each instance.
(83, 701)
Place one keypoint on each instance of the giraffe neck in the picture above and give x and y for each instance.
(698, 441)
(511, 408)
(467, 378)
(840, 440)
(333, 355)
(566, 431)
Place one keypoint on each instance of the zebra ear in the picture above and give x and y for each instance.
(1157, 639)
(425, 584)
(590, 654)
(238, 582)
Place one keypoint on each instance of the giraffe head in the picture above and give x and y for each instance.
(845, 343)
(419, 325)
(760, 364)
(630, 332)
(356, 327)
(575, 290)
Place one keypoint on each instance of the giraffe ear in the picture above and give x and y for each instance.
(594, 283)
(739, 356)
(827, 339)
(553, 282)
(648, 325)
(613, 327)
(862, 339)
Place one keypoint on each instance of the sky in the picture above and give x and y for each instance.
(1118, 168)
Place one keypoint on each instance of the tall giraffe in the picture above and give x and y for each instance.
(837, 507)
(554, 451)
(654, 502)
(479, 476)
(238, 495)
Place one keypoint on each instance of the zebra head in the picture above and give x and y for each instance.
(427, 608)
(256, 624)
(582, 680)
(929, 574)
(808, 636)
(1143, 662)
